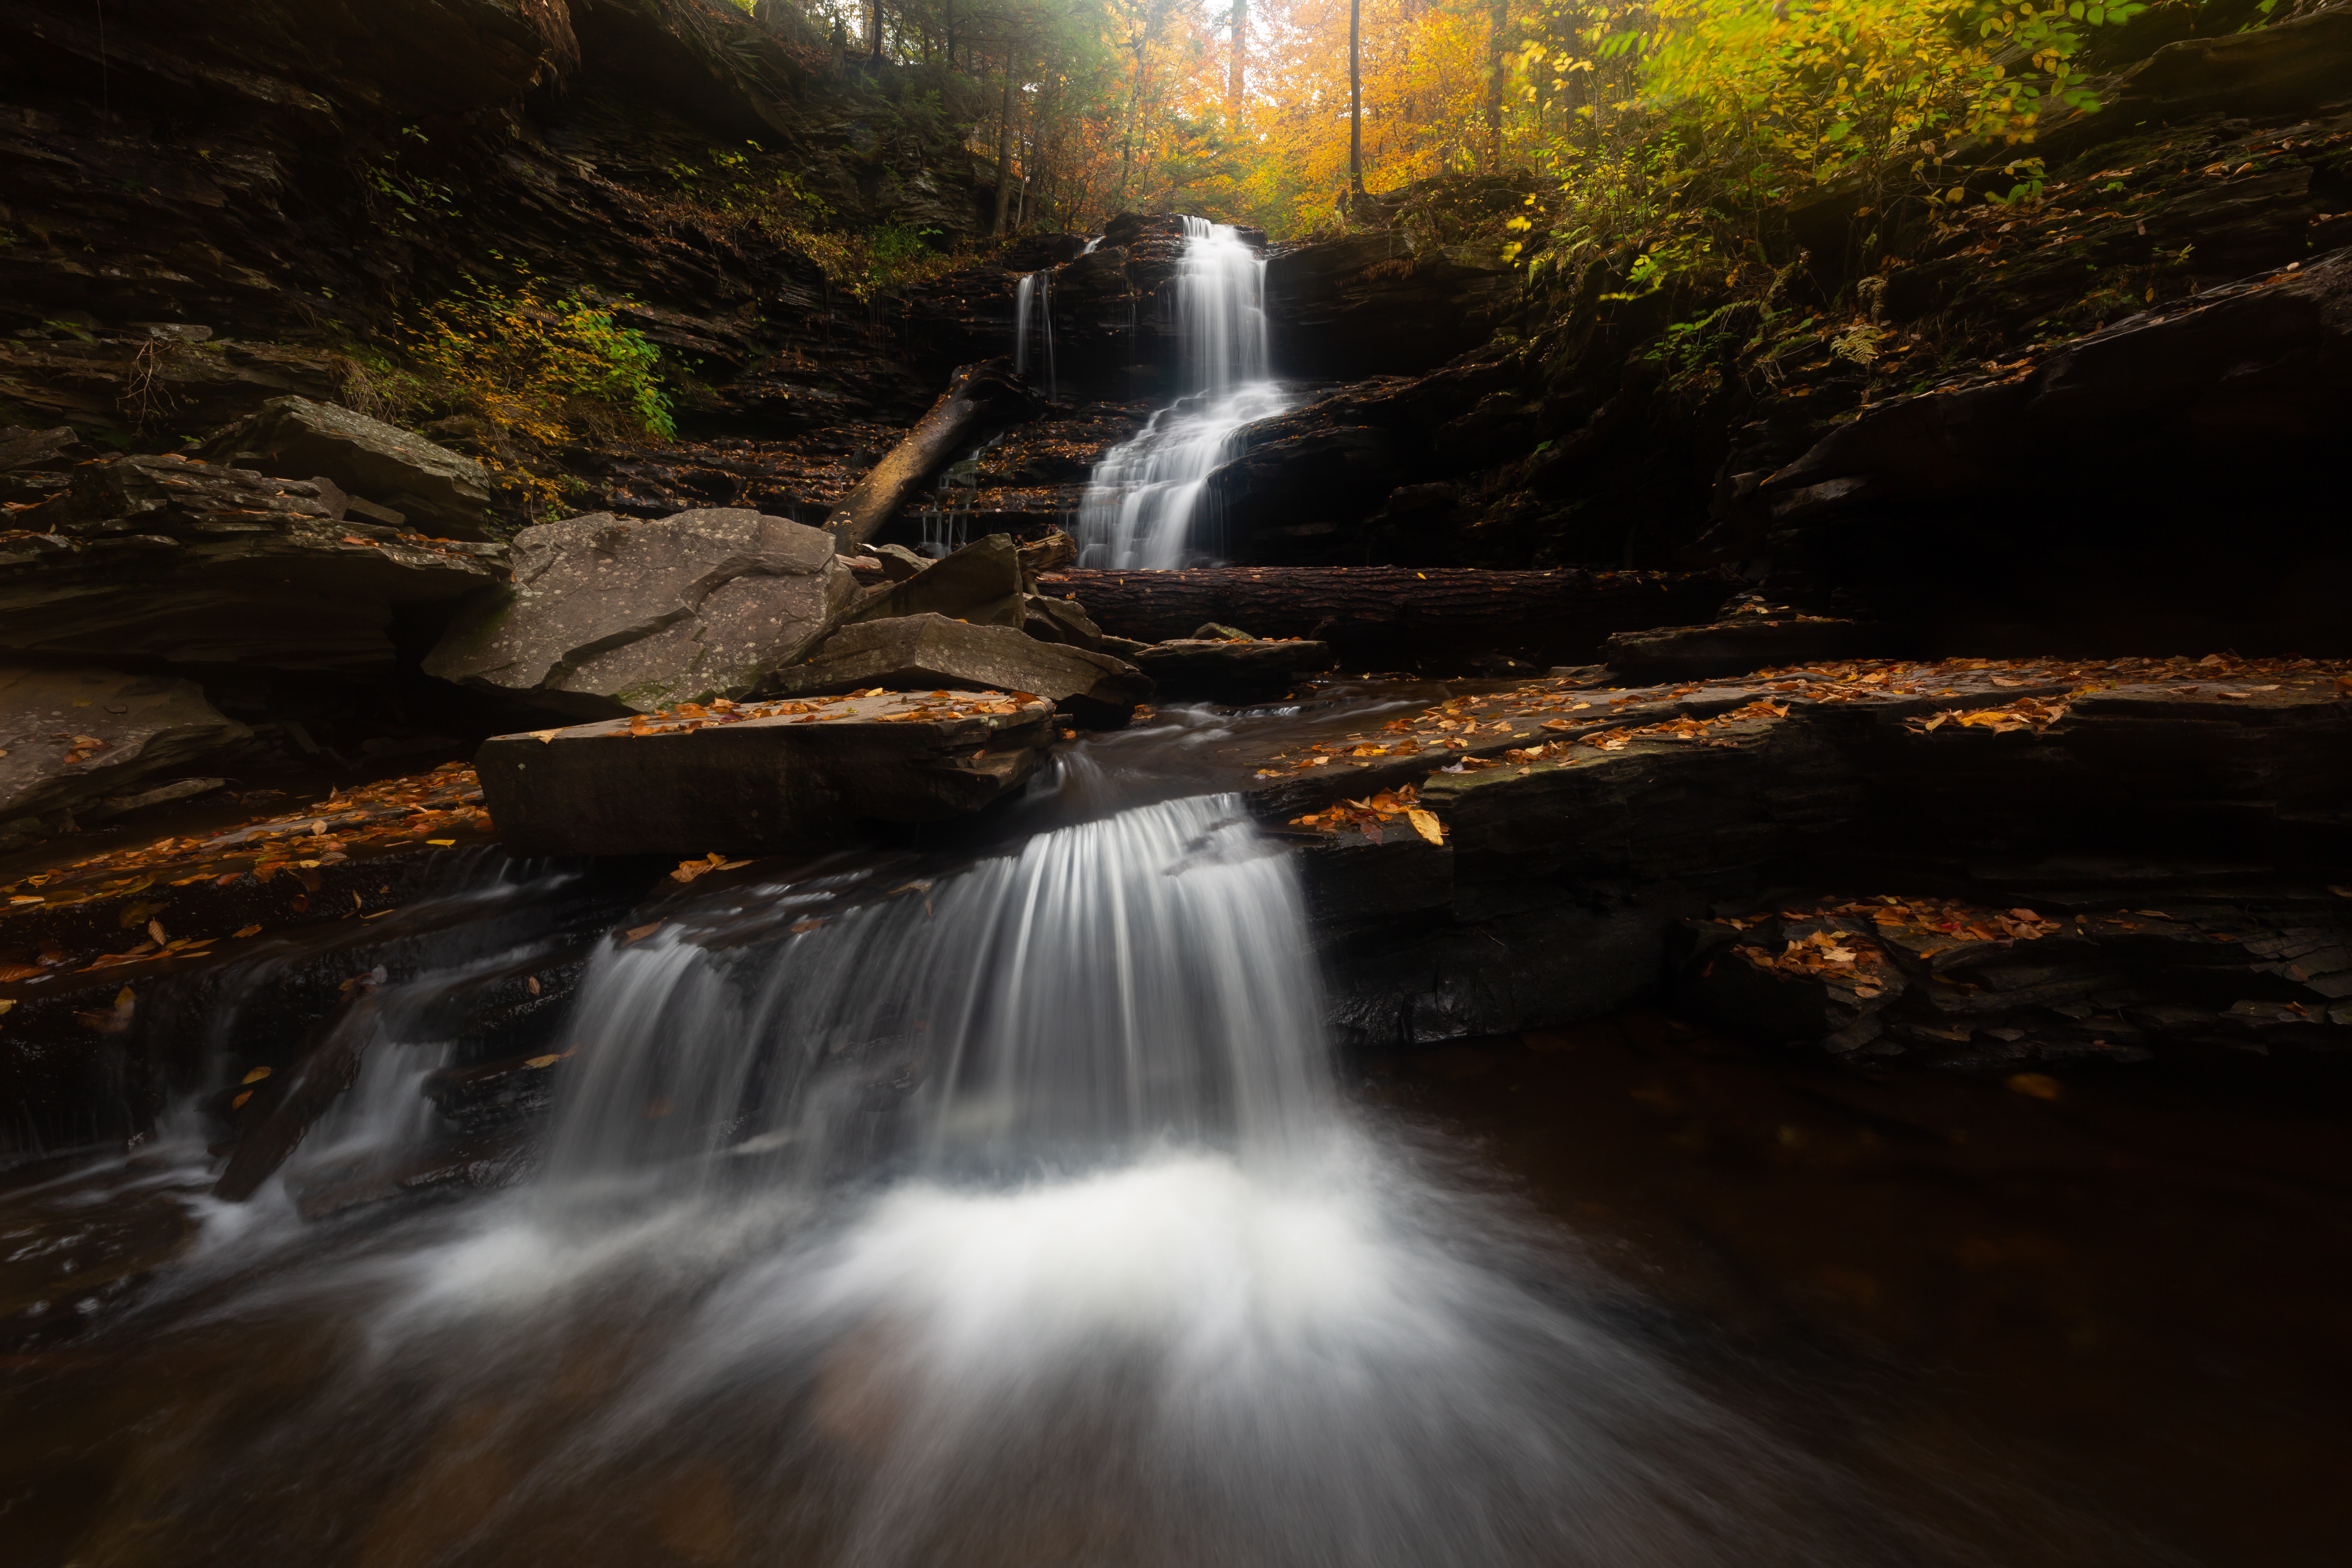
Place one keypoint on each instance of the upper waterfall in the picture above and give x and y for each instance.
(1145, 504)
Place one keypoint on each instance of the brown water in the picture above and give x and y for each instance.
(2135, 1298)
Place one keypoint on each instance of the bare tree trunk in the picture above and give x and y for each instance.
(950, 7)
(1134, 103)
(874, 39)
(1004, 151)
(1233, 74)
(1498, 21)
(1355, 96)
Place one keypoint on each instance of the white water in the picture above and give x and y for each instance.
(1035, 300)
(1144, 506)
(1007, 1217)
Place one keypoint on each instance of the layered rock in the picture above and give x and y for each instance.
(167, 559)
(607, 615)
(763, 778)
(433, 490)
(1581, 823)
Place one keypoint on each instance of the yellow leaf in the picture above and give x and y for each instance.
(247, 931)
(546, 1061)
(1425, 823)
(443, 843)
(2041, 1086)
(255, 1076)
(239, 1101)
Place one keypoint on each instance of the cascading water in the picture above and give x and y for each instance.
(1144, 504)
(1036, 298)
(1006, 1217)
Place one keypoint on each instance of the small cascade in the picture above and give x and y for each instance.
(1035, 298)
(1145, 504)
(1122, 980)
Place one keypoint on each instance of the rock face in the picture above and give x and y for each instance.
(919, 652)
(72, 736)
(1228, 670)
(435, 490)
(608, 616)
(168, 559)
(770, 777)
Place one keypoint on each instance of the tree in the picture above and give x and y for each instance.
(1004, 146)
(1355, 96)
(1233, 80)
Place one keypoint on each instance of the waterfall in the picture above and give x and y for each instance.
(1140, 977)
(1144, 503)
(1035, 296)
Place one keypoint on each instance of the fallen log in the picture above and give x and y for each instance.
(978, 395)
(1396, 617)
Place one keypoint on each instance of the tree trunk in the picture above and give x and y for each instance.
(1498, 21)
(1234, 73)
(1391, 617)
(876, 39)
(1355, 96)
(977, 394)
(1004, 151)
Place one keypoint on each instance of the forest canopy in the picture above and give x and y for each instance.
(1663, 119)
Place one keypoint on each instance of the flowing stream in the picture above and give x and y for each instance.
(1147, 504)
(1009, 1214)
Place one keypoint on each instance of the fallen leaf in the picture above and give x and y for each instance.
(1425, 823)
(546, 1061)
(2041, 1086)
(247, 931)
(638, 933)
(255, 1076)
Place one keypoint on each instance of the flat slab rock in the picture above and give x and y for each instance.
(761, 778)
(919, 652)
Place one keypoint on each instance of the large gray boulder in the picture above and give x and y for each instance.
(918, 653)
(71, 737)
(436, 490)
(167, 559)
(609, 615)
(761, 778)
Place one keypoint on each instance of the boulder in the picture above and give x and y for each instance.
(170, 559)
(608, 616)
(982, 583)
(435, 489)
(72, 737)
(920, 652)
(1225, 670)
(1059, 620)
(778, 777)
